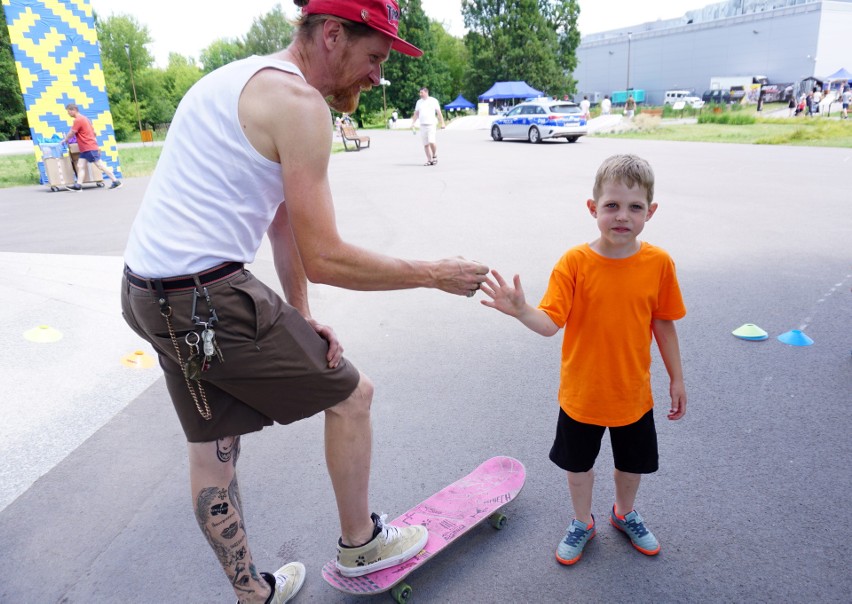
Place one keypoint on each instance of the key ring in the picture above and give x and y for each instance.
(197, 339)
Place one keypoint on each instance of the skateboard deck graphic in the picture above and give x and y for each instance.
(448, 514)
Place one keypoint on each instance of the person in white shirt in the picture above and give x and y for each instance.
(606, 106)
(428, 111)
(585, 106)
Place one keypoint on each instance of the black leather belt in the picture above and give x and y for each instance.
(169, 284)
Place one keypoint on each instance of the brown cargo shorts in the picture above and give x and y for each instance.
(274, 369)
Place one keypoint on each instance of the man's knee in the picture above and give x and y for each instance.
(217, 455)
(358, 403)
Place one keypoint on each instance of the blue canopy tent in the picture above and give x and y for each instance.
(838, 79)
(510, 90)
(839, 75)
(458, 104)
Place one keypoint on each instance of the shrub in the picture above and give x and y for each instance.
(731, 119)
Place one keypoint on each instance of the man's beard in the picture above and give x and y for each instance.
(344, 100)
(345, 97)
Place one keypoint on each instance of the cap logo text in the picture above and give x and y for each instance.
(393, 14)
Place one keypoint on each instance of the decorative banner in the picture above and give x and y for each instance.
(59, 62)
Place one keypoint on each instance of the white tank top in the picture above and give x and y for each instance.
(212, 195)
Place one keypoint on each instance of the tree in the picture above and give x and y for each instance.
(179, 77)
(113, 33)
(451, 60)
(219, 53)
(268, 33)
(409, 74)
(13, 117)
(116, 31)
(515, 40)
(562, 16)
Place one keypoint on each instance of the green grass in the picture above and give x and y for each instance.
(18, 170)
(800, 131)
(138, 161)
(22, 171)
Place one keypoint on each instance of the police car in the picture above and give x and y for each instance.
(540, 119)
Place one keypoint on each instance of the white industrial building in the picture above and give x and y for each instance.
(785, 40)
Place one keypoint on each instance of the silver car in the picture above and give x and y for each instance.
(541, 119)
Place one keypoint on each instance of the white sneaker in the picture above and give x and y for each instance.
(287, 581)
(391, 546)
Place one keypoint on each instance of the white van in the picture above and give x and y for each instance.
(673, 96)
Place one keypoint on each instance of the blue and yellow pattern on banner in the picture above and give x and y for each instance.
(56, 51)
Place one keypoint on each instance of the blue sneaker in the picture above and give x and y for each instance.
(634, 527)
(570, 549)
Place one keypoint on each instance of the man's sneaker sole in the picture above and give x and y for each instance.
(576, 559)
(647, 552)
(359, 571)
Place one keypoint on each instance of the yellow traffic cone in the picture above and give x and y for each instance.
(138, 360)
(43, 334)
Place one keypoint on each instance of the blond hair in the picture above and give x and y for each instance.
(629, 170)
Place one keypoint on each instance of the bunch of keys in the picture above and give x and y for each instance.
(197, 363)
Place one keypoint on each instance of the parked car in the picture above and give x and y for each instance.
(673, 96)
(738, 93)
(687, 101)
(776, 93)
(541, 119)
(717, 96)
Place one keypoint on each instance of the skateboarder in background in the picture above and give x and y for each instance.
(609, 295)
(235, 356)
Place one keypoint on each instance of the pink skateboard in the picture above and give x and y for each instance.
(448, 514)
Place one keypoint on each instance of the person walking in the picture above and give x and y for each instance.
(606, 105)
(629, 107)
(87, 143)
(236, 357)
(610, 296)
(586, 107)
(428, 111)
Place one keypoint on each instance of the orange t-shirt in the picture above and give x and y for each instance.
(85, 134)
(605, 306)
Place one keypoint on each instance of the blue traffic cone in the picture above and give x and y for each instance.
(795, 337)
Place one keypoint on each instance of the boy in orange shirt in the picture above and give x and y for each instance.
(609, 295)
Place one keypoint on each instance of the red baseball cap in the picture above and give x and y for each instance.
(381, 15)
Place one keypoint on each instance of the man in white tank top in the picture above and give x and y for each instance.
(237, 358)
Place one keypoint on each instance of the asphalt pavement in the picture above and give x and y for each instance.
(752, 497)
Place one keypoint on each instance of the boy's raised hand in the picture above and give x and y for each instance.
(504, 297)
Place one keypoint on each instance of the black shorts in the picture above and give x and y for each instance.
(274, 368)
(634, 447)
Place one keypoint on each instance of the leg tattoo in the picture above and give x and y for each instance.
(220, 517)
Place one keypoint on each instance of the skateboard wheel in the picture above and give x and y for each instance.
(401, 593)
(497, 520)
